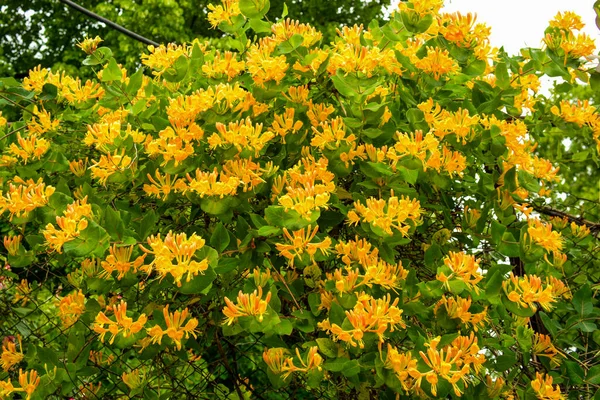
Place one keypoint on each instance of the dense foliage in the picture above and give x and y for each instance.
(45, 32)
(372, 210)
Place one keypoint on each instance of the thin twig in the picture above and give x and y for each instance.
(108, 22)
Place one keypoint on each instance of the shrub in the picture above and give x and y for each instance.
(364, 218)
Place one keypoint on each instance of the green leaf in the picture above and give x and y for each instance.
(593, 375)
(351, 368)
(502, 79)
(291, 44)
(505, 361)
(220, 238)
(254, 8)
(113, 223)
(586, 326)
(268, 231)
(260, 26)
(100, 56)
(112, 72)
(497, 231)
(285, 11)
(582, 301)
(198, 283)
(327, 347)
(147, 224)
(336, 365)
(93, 240)
(135, 83)
(177, 72)
(342, 85)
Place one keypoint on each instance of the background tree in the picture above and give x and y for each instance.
(45, 32)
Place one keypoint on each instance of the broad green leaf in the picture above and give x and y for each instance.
(254, 8)
(93, 240)
(220, 238)
(112, 72)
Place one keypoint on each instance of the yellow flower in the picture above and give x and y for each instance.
(527, 290)
(579, 231)
(280, 364)
(262, 66)
(542, 386)
(122, 324)
(119, 260)
(163, 57)
(437, 62)
(134, 379)
(287, 28)
(212, 184)
(22, 292)
(308, 186)
(70, 308)
(543, 235)
(393, 213)
(404, 366)
(70, 225)
(568, 21)
(26, 197)
(223, 12)
(422, 7)
(173, 256)
(300, 242)
(10, 356)
(29, 381)
(225, 64)
(162, 186)
(42, 122)
(3, 121)
(464, 267)
(247, 171)
(453, 363)
(458, 308)
(247, 305)
(368, 315)
(242, 135)
(543, 347)
(109, 164)
(298, 94)
(78, 167)
(89, 45)
(332, 135)
(175, 328)
(283, 124)
(32, 147)
(12, 244)
(6, 389)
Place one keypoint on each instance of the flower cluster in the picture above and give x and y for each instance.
(23, 196)
(70, 225)
(173, 256)
(176, 330)
(368, 315)
(122, 325)
(278, 361)
(385, 215)
(247, 305)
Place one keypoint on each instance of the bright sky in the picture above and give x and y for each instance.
(521, 23)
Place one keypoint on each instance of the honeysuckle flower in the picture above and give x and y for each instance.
(542, 386)
(119, 260)
(299, 242)
(176, 330)
(174, 256)
(278, 362)
(29, 382)
(10, 355)
(70, 308)
(542, 234)
(463, 267)
(527, 290)
(247, 305)
(69, 225)
(122, 324)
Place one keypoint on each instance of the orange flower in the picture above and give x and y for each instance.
(542, 386)
(175, 328)
(118, 260)
(123, 323)
(10, 356)
(301, 243)
(247, 305)
(70, 308)
(173, 256)
(463, 267)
